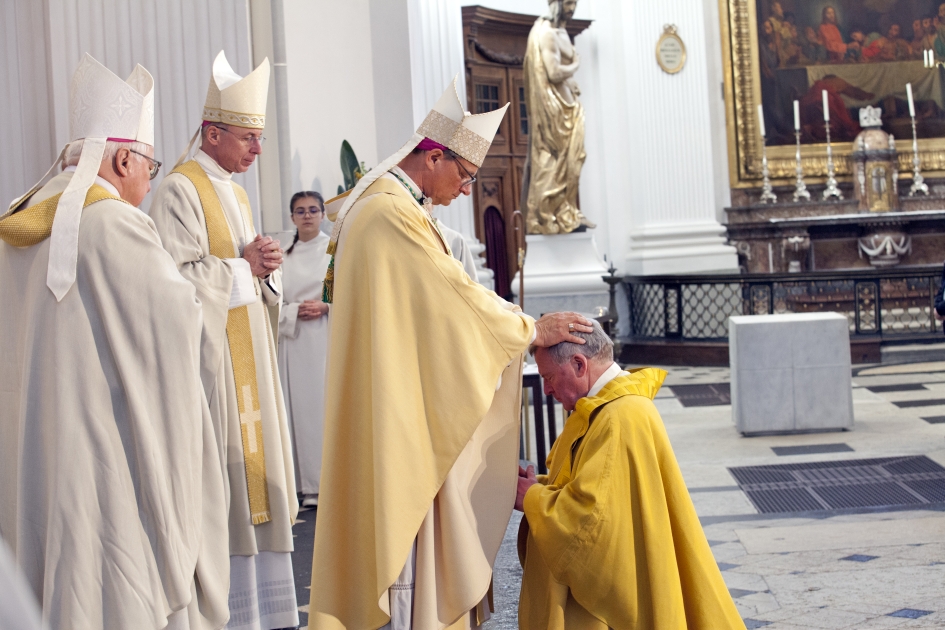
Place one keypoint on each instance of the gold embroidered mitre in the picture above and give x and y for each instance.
(469, 135)
(236, 100)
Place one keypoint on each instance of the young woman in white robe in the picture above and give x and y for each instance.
(303, 340)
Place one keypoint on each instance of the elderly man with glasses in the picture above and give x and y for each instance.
(422, 399)
(206, 224)
(112, 498)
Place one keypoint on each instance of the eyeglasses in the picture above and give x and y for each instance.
(301, 212)
(246, 140)
(155, 165)
(472, 178)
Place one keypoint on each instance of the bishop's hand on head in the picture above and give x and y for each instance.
(553, 328)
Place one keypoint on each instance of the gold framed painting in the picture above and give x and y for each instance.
(861, 52)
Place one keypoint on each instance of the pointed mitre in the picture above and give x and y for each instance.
(236, 100)
(448, 124)
(102, 107)
(468, 135)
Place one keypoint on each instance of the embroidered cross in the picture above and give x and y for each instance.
(250, 418)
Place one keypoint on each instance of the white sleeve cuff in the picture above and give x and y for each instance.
(244, 289)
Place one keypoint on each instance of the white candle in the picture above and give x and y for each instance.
(925, 57)
(911, 102)
(797, 116)
(826, 107)
(761, 121)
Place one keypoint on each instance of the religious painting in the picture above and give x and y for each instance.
(860, 52)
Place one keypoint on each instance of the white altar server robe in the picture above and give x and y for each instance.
(303, 350)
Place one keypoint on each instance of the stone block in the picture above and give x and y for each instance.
(790, 372)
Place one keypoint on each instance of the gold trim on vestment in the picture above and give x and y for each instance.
(240, 337)
(238, 119)
(33, 225)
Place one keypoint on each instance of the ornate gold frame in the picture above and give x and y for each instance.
(742, 95)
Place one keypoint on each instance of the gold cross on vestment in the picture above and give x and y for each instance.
(250, 418)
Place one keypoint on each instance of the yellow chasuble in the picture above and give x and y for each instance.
(614, 540)
(240, 337)
(415, 351)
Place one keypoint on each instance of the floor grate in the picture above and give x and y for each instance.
(703, 394)
(855, 483)
(902, 387)
(931, 402)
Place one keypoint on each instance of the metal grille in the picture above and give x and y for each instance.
(907, 305)
(877, 303)
(707, 307)
(891, 481)
(647, 310)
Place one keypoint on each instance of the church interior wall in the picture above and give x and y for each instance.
(329, 56)
(176, 42)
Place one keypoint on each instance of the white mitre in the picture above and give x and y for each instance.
(448, 124)
(233, 100)
(102, 107)
(236, 100)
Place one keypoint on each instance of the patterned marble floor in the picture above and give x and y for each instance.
(878, 567)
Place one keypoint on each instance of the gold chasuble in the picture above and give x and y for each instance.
(614, 540)
(419, 446)
(240, 340)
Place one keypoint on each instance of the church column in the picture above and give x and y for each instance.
(436, 56)
(664, 169)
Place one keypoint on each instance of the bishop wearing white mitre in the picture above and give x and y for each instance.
(111, 493)
(206, 224)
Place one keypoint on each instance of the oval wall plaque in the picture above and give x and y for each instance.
(670, 50)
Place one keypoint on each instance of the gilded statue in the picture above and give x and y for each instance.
(556, 120)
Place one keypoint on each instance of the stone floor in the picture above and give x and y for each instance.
(875, 567)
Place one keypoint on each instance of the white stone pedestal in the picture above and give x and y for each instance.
(563, 273)
(790, 373)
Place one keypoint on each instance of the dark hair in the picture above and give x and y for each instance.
(305, 194)
(447, 153)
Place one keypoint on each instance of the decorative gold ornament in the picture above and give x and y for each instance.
(670, 50)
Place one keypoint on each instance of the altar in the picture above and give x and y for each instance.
(831, 235)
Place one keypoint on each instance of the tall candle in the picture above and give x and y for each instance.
(826, 107)
(761, 120)
(911, 102)
(797, 116)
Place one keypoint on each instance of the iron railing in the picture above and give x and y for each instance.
(893, 304)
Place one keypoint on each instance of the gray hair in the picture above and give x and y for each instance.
(598, 346)
(74, 150)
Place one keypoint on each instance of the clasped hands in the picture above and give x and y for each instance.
(526, 479)
(263, 255)
(312, 309)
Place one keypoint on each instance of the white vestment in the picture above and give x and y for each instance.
(111, 492)
(303, 350)
(180, 220)
(460, 249)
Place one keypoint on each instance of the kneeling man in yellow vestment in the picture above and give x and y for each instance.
(613, 538)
